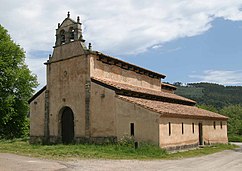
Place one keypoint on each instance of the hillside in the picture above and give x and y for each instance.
(216, 95)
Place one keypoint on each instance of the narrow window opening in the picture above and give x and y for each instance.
(72, 34)
(182, 128)
(132, 129)
(214, 125)
(62, 35)
(193, 128)
(169, 128)
(221, 124)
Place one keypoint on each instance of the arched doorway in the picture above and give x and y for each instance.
(67, 126)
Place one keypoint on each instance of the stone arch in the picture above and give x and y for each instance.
(67, 125)
(72, 34)
(62, 37)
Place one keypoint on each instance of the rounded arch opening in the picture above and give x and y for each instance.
(62, 36)
(71, 32)
(67, 125)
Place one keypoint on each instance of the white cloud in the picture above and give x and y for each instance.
(156, 46)
(220, 77)
(113, 26)
(36, 65)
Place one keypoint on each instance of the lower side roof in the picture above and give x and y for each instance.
(173, 110)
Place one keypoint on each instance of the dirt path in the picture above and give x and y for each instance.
(226, 160)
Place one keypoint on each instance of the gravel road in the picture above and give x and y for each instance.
(226, 160)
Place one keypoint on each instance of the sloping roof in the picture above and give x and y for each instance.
(173, 110)
(168, 85)
(145, 92)
(36, 94)
(126, 65)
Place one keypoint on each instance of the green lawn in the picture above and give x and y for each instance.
(111, 151)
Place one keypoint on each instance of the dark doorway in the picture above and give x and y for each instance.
(200, 130)
(132, 129)
(67, 126)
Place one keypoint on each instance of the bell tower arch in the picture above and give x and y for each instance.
(69, 31)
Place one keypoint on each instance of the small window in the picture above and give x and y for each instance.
(169, 128)
(214, 125)
(193, 128)
(221, 124)
(62, 35)
(182, 128)
(72, 31)
(132, 129)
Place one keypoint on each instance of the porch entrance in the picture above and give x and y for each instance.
(67, 126)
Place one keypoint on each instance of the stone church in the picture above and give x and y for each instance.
(95, 98)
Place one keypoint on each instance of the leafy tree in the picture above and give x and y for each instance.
(208, 107)
(212, 94)
(234, 112)
(16, 87)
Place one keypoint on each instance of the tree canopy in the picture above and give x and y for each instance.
(16, 87)
(216, 95)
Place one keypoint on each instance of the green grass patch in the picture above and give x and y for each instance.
(235, 138)
(109, 151)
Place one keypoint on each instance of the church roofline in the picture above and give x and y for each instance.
(68, 18)
(135, 91)
(114, 61)
(36, 94)
(168, 85)
(173, 110)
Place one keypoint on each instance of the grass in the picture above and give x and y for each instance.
(235, 138)
(109, 151)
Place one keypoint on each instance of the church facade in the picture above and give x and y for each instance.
(92, 97)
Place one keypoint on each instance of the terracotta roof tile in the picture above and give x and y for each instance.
(169, 85)
(122, 86)
(173, 110)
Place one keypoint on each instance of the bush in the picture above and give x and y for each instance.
(235, 138)
(127, 141)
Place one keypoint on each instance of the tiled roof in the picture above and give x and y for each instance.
(168, 85)
(141, 90)
(173, 110)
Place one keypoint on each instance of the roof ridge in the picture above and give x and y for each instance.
(204, 113)
(127, 63)
(145, 91)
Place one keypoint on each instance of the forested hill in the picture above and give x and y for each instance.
(216, 95)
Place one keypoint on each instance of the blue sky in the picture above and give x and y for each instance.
(187, 40)
(206, 57)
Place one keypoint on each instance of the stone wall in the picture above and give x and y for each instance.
(66, 84)
(118, 74)
(102, 111)
(37, 116)
(177, 139)
(146, 122)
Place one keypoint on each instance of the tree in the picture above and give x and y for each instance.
(234, 112)
(208, 107)
(16, 87)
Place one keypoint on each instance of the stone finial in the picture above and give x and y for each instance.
(78, 19)
(58, 25)
(49, 55)
(90, 46)
(68, 14)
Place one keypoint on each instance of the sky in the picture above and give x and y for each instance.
(186, 40)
